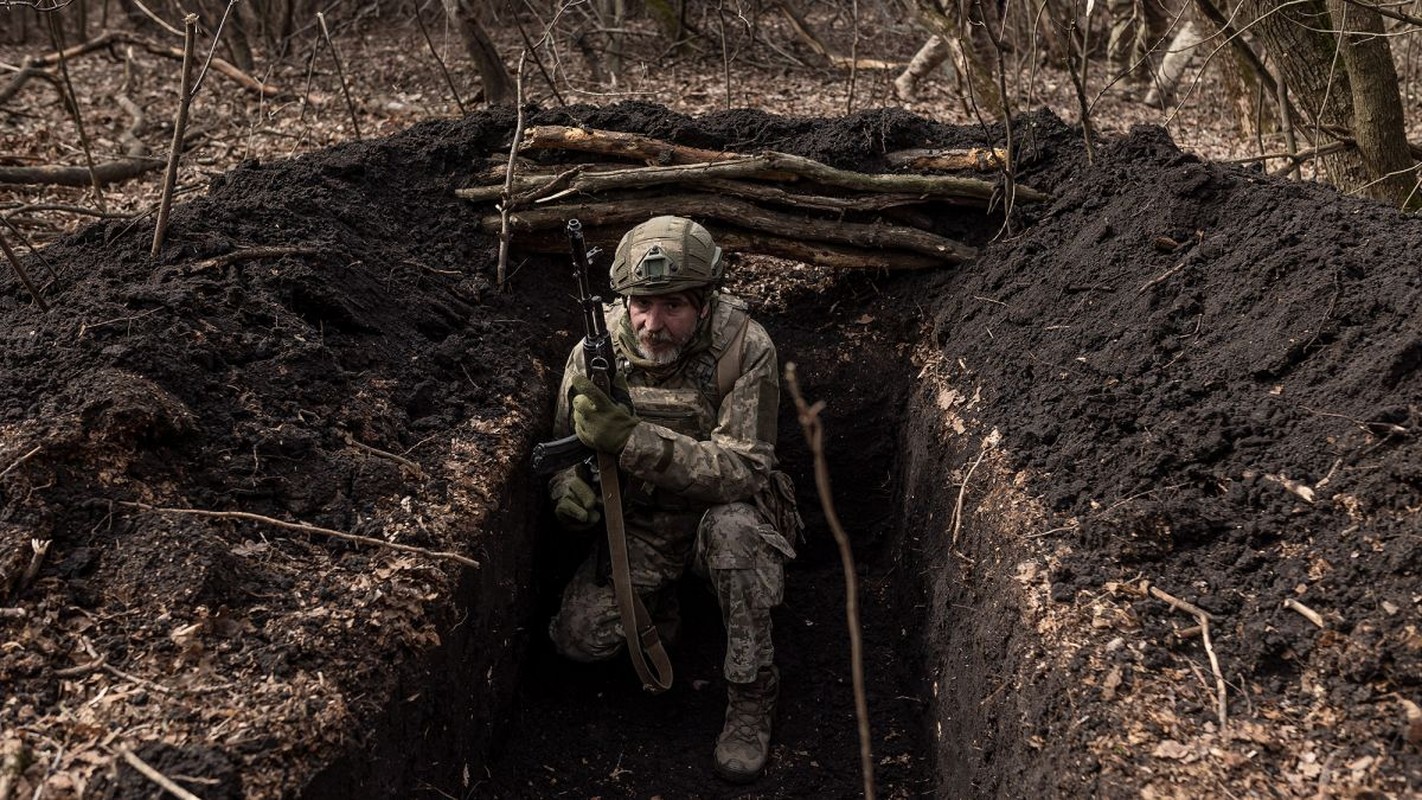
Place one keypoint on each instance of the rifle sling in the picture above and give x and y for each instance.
(643, 641)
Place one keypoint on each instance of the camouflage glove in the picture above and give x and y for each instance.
(599, 422)
(575, 504)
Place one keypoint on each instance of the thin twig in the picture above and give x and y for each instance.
(154, 775)
(725, 52)
(299, 526)
(448, 80)
(72, 100)
(1076, 51)
(506, 200)
(180, 124)
(1161, 278)
(962, 491)
(22, 459)
(814, 434)
(412, 466)
(22, 275)
(340, 73)
(216, 36)
(1204, 618)
(130, 677)
(1308, 613)
(82, 669)
(254, 253)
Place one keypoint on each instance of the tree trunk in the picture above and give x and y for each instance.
(498, 83)
(1378, 125)
(1298, 35)
(962, 25)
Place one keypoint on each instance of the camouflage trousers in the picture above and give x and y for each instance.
(1137, 30)
(732, 546)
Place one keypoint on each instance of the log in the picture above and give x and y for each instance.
(806, 35)
(108, 38)
(17, 82)
(820, 254)
(979, 159)
(108, 172)
(616, 143)
(768, 166)
(741, 214)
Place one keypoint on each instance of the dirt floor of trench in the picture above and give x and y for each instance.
(1172, 371)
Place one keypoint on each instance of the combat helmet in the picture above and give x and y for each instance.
(663, 255)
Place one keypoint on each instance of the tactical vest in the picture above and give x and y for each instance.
(688, 400)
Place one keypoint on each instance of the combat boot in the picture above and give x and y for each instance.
(744, 744)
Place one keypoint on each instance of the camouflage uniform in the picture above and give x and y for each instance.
(702, 490)
(1137, 28)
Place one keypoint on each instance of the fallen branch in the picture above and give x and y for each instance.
(821, 254)
(1204, 618)
(255, 253)
(401, 460)
(777, 167)
(32, 69)
(108, 38)
(978, 159)
(80, 670)
(13, 613)
(304, 528)
(745, 215)
(105, 173)
(616, 143)
(154, 775)
(807, 35)
(767, 167)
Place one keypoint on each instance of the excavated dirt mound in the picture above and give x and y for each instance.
(1199, 376)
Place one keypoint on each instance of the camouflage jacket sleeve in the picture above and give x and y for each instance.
(738, 459)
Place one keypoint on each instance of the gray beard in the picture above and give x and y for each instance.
(665, 356)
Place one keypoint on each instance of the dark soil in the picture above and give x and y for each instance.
(1167, 347)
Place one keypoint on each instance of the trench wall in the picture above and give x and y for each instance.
(992, 692)
(448, 705)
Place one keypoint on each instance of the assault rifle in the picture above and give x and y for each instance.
(600, 363)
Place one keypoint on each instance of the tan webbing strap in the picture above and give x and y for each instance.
(728, 366)
(643, 641)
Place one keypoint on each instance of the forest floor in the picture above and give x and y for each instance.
(1198, 375)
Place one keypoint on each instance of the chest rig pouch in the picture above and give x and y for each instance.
(684, 410)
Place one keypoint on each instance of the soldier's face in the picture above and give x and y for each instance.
(663, 324)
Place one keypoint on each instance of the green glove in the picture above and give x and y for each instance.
(575, 505)
(600, 423)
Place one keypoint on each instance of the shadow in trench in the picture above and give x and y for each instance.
(579, 730)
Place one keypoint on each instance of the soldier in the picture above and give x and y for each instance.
(1137, 30)
(702, 490)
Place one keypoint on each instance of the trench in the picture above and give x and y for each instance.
(496, 714)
